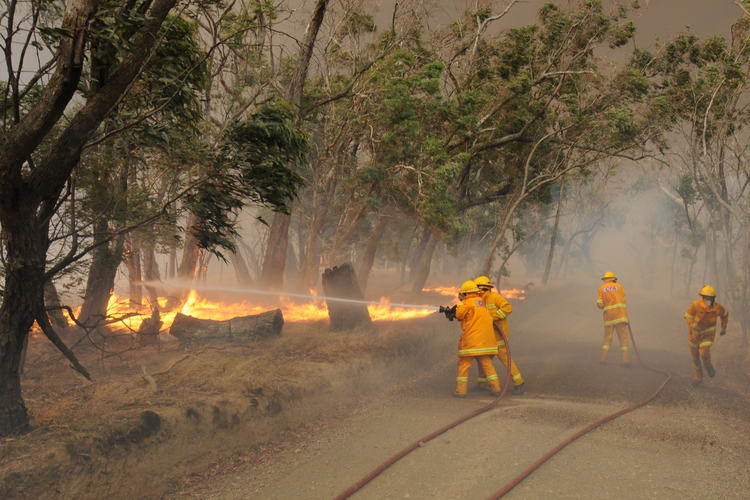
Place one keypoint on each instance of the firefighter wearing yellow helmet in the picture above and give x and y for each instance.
(701, 317)
(611, 298)
(477, 340)
(500, 309)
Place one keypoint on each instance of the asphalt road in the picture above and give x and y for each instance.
(688, 443)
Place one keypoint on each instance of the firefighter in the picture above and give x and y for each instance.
(611, 299)
(701, 318)
(499, 309)
(477, 340)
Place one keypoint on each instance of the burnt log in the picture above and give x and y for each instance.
(341, 282)
(248, 328)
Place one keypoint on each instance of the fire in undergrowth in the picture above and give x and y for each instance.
(452, 291)
(131, 316)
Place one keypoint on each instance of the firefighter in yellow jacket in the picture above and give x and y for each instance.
(500, 309)
(611, 299)
(701, 318)
(477, 340)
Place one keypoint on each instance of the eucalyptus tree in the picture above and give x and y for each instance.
(40, 147)
(706, 82)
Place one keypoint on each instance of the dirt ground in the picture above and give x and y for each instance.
(307, 414)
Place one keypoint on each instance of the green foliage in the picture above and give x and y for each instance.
(254, 164)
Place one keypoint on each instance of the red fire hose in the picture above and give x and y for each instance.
(505, 489)
(515, 481)
(401, 454)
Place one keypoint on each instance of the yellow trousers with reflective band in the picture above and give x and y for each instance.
(622, 335)
(502, 354)
(485, 365)
(700, 343)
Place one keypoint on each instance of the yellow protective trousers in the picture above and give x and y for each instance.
(622, 335)
(502, 354)
(700, 350)
(485, 365)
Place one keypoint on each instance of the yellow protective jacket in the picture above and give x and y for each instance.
(499, 309)
(611, 298)
(702, 319)
(478, 337)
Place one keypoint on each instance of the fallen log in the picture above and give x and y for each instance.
(340, 281)
(250, 328)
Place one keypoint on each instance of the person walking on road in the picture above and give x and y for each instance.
(500, 309)
(701, 317)
(477, 340)
(611, 299)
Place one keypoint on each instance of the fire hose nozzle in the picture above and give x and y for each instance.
(450, 312)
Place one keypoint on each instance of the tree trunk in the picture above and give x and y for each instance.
(133, 264)
(191, 252)
(274, 261)
(101, 278)
(241, 270)
(25, 247)
(553, 239)
(418, 252)
(423, 266)
(51, 299)
(150, 274)
(340, 281)
(370, 250)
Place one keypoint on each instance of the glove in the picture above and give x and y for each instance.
(450, 312)
(723, 332)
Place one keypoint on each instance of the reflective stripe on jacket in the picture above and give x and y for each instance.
(499, 309)
(611, 298)
(703, 319)
(478, 337)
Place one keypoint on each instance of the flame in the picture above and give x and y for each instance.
(130, 316)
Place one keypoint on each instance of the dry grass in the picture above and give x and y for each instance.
(153, 419)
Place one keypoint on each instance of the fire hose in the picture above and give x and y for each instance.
(523, 475)
(416, 444)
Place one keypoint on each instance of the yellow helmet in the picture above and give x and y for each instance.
(468, 287)
(609, 275)
(483, 282)
(707, 291)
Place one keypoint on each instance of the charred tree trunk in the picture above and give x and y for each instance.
(101, 278)
(423, 266)
(368, 259)
(341, 282)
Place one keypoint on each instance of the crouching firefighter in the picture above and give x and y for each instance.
(477, 339)
(701, 318)
(499, 309)
(611, 298)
